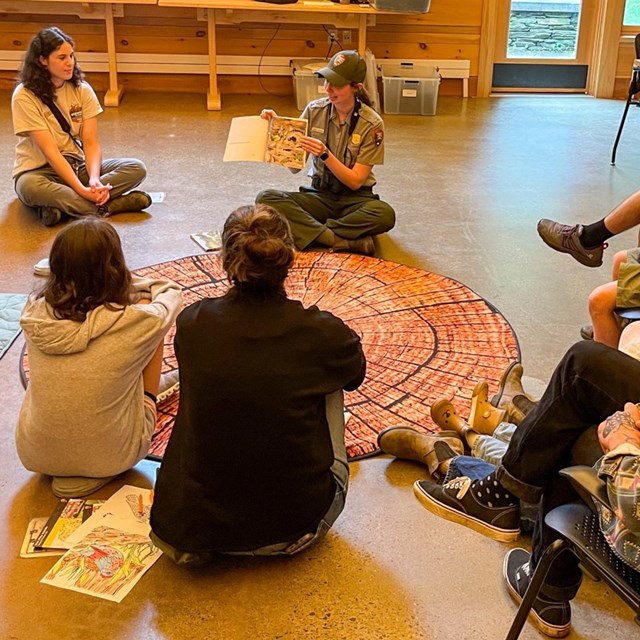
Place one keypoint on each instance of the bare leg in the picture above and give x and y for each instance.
(625, 216)
(151, 373)
(618, 259)
(602, 302)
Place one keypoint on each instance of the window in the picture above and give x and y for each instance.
(632, 13)
(545, 29)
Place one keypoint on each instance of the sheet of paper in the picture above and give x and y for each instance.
(106, 564)
(247, 140)
(127, 510)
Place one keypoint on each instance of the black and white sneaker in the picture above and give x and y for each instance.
(551, 617)
(481, 505)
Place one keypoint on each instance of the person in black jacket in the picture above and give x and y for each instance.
(256, 463)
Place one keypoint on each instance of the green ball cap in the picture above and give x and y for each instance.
(344, 68)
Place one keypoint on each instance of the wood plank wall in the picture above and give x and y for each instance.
(451, 30)
(626, 56)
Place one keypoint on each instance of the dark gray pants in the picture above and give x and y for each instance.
(310, 212)
(43, 187)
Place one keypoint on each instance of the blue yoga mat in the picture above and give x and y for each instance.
(10, 309)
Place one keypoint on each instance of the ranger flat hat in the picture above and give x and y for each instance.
(344, 68)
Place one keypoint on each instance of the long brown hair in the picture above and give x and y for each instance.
(257, 249)
(88, 270)
(34, 75)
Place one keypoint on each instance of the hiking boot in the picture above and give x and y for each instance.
(484, 417)
(566, 239)
(50, 216)
(131, 202)
(551, 617)
(408, 444)
(586, 332)
(482, 505)
(364, 246)
(509, 388)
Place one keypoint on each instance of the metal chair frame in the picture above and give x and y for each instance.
(634, 88)
(569, 521)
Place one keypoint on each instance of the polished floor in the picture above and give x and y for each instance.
(469, 186)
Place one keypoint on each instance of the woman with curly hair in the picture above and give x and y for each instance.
(256, 463)
(94, 337)
(58, 168)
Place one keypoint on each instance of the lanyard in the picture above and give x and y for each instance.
(355, 116)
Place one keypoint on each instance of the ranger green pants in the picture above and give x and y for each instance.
(348, 215)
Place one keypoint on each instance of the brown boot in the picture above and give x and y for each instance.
(510, 388)
(483, 416)
(409, 444)
(364, 246)
(131, 202)
(444, 414)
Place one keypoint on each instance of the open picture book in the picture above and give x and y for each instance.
(254, 139)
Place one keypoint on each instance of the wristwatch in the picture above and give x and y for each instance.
(324, 155)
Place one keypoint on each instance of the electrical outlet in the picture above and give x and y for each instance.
(346, 37)
(332, 36)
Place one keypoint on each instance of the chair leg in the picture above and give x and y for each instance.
(549, 555)
(624, 117)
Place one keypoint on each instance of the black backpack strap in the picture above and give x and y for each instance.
(63, 122)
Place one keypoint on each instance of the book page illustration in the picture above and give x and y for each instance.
(67, 518)
(283, 144)
(277, 141)
(28, 549)
(106, 564)
(208, 240)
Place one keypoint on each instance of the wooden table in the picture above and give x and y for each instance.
(342, 16)
(88, 9)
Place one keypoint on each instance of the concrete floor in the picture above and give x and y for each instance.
(469, 186)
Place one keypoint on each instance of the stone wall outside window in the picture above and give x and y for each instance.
(543, 29)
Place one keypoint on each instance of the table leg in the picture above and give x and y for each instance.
(113, 95)
(213, 97)
(362, 35)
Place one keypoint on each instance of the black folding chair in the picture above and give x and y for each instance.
(634, 87)
(578, 527)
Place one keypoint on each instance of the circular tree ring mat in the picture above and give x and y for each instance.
(425, 336)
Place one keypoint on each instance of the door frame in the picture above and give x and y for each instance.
(605, 39)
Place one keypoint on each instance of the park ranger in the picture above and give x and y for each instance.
(346, 139)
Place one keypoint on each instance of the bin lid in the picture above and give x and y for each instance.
(414, 71)
(307, 66)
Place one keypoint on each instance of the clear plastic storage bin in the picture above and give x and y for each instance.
(410, 88)
(306, 84)
(420, 6)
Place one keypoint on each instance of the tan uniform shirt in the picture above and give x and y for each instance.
(365, 145)
(76, 104)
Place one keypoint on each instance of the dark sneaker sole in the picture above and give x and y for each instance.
(553, 631)
(442, 510)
